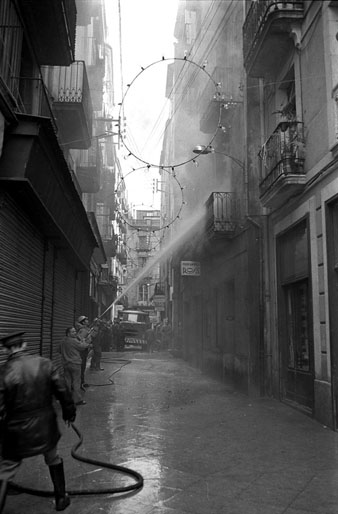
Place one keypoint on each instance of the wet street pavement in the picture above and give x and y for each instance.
(201, 447)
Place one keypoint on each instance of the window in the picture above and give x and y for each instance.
(287, 93)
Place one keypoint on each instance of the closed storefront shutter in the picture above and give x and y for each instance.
(47, 317)
(64, 301)
(21, 275)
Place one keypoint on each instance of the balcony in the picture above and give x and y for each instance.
(33, 98)
(122, 257)
(143, 251)
(51, 25)
(96, 73)
(223, 215)
(72, 103)
(88, 170)
(109, 248)
(107, 281)
(282, 158)
(107, 278)
(146, 225)
(266, 34)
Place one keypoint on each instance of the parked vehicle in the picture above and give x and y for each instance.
(133, 326)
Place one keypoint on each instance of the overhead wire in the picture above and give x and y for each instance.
(179, 78)
(193, 76)
(120, 43)
(207, 52)
(211, 44)
(176, 85)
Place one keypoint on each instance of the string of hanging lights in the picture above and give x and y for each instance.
(132, 223)
(216, 95)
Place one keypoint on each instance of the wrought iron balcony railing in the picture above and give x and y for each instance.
(143, 248)
(122, 256)
(89, 169)
(10, 61)
(145, 224)
(282, 154)
(33, 98)
(69, 87)
(106, 278)
(223, 214)
(51, 25)
(268, 16)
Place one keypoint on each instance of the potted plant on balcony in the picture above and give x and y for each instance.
(287, 114)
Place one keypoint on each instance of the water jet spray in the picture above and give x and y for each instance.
(190, 227)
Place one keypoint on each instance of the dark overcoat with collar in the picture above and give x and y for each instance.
(28, 385)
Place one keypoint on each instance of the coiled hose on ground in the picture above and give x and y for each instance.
(114, 467)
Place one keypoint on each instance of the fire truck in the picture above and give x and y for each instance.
(132, 327)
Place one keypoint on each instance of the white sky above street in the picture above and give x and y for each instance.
(147, 29)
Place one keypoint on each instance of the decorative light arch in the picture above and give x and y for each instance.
(217, 95)
(173, 176)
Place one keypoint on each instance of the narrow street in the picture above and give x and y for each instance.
(201, 447)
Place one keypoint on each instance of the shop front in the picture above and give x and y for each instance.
(295, 330)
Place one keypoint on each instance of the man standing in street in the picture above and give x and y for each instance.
(84, 334)
(28, 384)
(70, 349)
(166, 334)
(151, 338)
(95, 364)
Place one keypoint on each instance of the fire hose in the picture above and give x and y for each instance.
(74, 453)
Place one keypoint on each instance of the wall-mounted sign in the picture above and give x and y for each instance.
(159, 302)
(191, 268)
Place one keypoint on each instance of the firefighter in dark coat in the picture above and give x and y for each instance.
(29, 426)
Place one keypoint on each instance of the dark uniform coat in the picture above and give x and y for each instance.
(29, 422)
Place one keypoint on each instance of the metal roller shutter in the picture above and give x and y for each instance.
(47, 318)
(64, 301)
(21, 275)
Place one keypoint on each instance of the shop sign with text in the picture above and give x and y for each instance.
(190, 268)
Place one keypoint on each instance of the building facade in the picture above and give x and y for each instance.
(51, 250)
(261, 307)
(143, 243)
(212, 277)
(297, 138)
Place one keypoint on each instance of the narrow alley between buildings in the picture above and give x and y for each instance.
(200, 446)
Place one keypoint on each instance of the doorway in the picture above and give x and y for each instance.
(295, 331)
(298, 385)
(332, 270)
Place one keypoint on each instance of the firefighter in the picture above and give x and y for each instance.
(28, 384)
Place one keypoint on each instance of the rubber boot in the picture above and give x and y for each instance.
(3, 494)
(62, 499)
